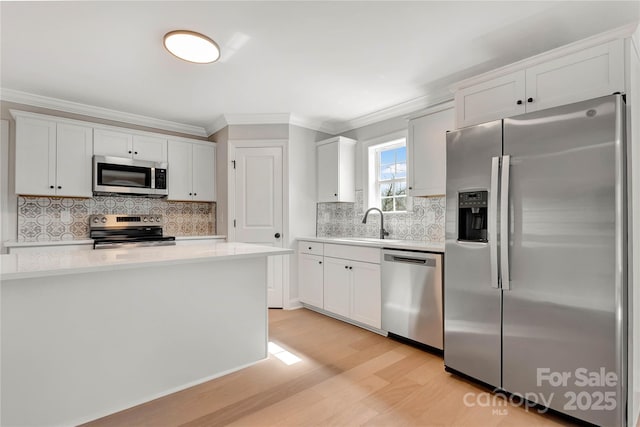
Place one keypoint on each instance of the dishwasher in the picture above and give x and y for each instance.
(412, 296)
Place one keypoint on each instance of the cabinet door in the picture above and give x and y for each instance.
(589, 73)
(180, 171)
(366, 306)
(112, 143)
(149, 148)
(427, 153)
(310, 279)
(204, 173)
(491, 100)
(74, 150)
(35, 156)
(328, 172)
(337, 291)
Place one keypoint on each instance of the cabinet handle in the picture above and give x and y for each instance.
(519, 102)
(51, 186)
(529, 99)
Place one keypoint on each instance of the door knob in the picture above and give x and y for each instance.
(277, 235)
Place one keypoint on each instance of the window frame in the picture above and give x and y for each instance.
(370, 154)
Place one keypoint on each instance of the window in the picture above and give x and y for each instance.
(388, 176)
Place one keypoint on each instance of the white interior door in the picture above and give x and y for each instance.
(259, 208)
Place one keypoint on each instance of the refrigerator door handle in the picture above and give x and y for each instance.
(504, 222)
(493, 222)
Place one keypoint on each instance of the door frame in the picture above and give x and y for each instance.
(231, 200)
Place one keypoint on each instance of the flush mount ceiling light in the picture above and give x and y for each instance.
(191, 46)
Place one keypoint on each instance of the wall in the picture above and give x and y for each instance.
(8, 203)
(221, 139)
(302, 194)
(55, 218)
(633, 139)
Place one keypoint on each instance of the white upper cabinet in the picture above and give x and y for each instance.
(52, 158)
(192, 171)
(500, 97)
(427, 151)
(336, 169)
(122, 144)
(587, 73)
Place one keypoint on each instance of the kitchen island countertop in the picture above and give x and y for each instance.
(54, 263)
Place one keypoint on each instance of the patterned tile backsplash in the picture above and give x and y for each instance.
(50, 218)
(424, 220)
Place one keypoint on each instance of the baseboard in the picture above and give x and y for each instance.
(294, 304)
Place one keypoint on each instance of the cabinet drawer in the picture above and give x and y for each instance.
(356, 253)
(313, 248)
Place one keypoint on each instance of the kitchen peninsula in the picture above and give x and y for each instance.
(88, 333)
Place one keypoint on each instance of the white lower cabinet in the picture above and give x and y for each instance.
(342, 280)
(311, 279)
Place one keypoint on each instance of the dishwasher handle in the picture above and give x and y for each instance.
(427, 262)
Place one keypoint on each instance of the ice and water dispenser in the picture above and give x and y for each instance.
(472, 216)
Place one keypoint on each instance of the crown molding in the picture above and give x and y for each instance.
(307, 123)
(219, 123)
(398, 110)
(595, 40)
(97, 112)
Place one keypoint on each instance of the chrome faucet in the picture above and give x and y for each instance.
(383, 232)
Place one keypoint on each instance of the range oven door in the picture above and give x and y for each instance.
(128, 176)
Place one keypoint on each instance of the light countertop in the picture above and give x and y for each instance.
(53, 263)
(414, 245)
(15, 244)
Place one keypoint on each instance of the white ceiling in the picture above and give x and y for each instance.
(327, 63)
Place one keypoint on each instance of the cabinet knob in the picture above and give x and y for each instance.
(59, 187)
(335, 194)
(350, 268)
(309, 247)
(135, 152)
(129, 151)
(346, 267)
(519, 102)
(410, 188)
(51, 186)
(190, 194)
(319, 262)
(529, 99)
(195, 194)
(277, 235)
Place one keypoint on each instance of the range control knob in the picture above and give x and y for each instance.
(157, 219)
(145, 219)
(96, 220)
(103, 220)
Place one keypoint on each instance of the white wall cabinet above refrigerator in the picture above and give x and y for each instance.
(427, 151)
(52, 158)
(122, 144)
(192, 171)
(336, 169)
(537, 84)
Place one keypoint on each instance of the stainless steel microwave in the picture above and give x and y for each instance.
(116, 175)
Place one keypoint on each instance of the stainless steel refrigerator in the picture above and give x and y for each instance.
(536, 257)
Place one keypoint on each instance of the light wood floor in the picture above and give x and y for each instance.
(347, 377)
